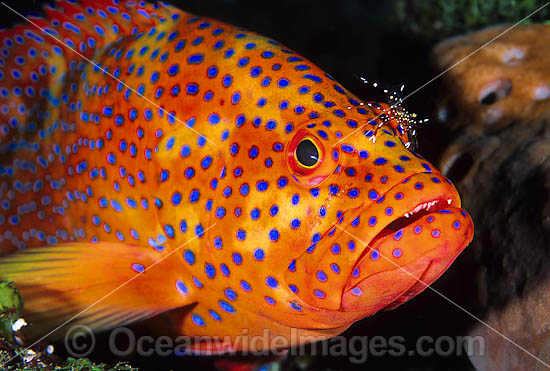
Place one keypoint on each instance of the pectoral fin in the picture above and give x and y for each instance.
(101, 285)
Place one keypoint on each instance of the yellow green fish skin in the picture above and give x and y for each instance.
(243, 185)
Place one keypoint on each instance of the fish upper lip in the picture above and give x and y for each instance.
(410, 217)
(358, 210)
(415, 213)
(437, 201)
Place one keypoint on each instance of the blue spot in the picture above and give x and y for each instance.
(267, 54)
(259, 254)
(262, 186)
(138, 268)
(214, 315)
(398, 235)
(194, 196)
(271, 282)
(269, 300)
(197, 282)
(181, 287)
(244, 189)
(273, 235)
(199, 230)
(226, 306)
(235, 98)
(195, 58)
(227, 80)
(283, 83)
(220, 212)
(198, 320)
(274, 210)
(230, 294)
(353, 193)
(192, 88)
(225, 270)
(214, 118)
(241, 235)
(189, 172)
(237, 258)
(292, 266)
(169, 230)
(321, 276)
(347, 148)
(255, 71)
(209, 270)
(185, 151)
(245, 286)
(318, 293)
(189, 257)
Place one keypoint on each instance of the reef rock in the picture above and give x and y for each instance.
(496, 75)
(498, 104)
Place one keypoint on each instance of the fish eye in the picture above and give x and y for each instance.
(308, 154)
(311, 155)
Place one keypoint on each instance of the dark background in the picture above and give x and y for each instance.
(348, 39)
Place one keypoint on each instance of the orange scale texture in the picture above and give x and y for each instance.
(206, 173)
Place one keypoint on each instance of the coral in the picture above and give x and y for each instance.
(16, 357)
(500, 162)
(495, 76)
(11, 306)
(506, 188)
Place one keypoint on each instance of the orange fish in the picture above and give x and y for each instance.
(155, 162)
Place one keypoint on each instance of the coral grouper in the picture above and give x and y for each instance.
(158, 163)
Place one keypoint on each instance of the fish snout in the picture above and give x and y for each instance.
(385, 251)
(421, 230)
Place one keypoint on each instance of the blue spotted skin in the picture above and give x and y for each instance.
(194, 150)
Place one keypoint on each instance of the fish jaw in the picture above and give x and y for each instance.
(411, 251)
(370, 277)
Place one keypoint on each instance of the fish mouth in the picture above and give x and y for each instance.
(380, 255)
(410, 249)
(433, 200)
(411, 217)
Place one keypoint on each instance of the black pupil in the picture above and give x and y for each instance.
(307, 153)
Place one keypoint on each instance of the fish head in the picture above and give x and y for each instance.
(396, 222)
(323, 216)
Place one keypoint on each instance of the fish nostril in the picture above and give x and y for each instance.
(459, 166)
(494, 91)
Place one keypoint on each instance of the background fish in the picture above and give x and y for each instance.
(207, 173)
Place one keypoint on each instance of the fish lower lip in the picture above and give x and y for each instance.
(418, 286)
